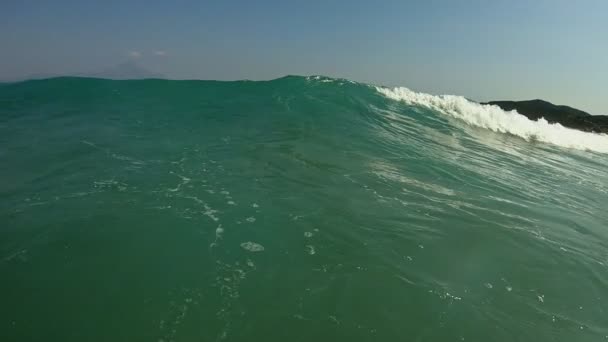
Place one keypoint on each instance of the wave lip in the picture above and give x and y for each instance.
(494, 118)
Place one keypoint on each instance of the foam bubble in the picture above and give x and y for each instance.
(219, 231)
(494, 118)
(311, 249)
(252, 246)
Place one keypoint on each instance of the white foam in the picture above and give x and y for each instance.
(498, 120)
(209, 212)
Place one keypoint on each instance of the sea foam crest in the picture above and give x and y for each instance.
(494, 118)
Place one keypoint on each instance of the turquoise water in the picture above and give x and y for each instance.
(298, 209)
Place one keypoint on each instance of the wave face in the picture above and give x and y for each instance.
(302, 206)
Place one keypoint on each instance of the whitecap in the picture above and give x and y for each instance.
(494, 118)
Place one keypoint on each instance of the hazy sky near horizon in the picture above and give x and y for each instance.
(551, 49)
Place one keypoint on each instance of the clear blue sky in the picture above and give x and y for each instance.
(520, 49)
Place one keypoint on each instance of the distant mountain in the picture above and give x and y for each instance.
(38, 76)
(564, 115)
(125, 71)
(128, 70)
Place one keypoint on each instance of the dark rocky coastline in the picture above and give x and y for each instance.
(564, 115)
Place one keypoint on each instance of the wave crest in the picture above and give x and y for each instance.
(494, 118)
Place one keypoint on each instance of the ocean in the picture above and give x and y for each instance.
(296, 209)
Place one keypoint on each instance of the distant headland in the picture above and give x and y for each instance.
(128, 70)
(564, 115)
